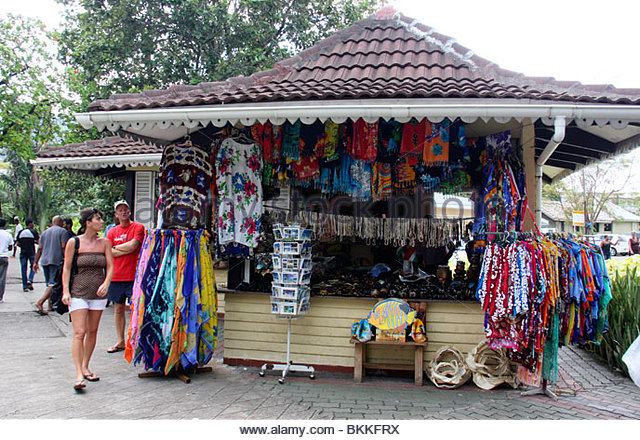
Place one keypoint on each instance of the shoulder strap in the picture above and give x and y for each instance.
(74, 262)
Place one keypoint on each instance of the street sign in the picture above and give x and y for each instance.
(578, 218)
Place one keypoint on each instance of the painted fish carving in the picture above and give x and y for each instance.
(391, 314)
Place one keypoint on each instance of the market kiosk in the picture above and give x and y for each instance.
(346, 144)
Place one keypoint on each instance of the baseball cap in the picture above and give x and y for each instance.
(120, 202)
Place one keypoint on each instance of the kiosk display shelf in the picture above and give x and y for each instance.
(290, 287)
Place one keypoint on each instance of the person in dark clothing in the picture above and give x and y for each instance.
(68, 224)
(606, 247)
(634, 244)
(27, 240)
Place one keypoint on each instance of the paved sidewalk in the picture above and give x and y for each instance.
(37, 378)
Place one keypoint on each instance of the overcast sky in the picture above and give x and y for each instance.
(594, 42)
(588, 41)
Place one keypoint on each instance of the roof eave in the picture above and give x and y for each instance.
(98, 162)
(402, 110)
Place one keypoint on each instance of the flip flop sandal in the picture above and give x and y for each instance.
(79, 386)
(92, 377)
(115, 349)
(41, 312)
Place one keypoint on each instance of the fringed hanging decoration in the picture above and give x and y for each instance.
(174, 321)
(399, 232)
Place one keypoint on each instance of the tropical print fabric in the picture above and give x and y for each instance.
(174, 321)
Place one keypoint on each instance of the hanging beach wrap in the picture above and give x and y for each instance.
(208, 338)
(404, 177)
(365, 141)
(389, 140)
(436, 146)
(291, 140)
(382, 184)
(179, 316)
(137, 296)
(327, 148)
(414, 136)
(499, 143)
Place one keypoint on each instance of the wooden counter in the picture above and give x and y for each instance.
(252, 335)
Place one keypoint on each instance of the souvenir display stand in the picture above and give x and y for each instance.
(173, 329)
(290, 288)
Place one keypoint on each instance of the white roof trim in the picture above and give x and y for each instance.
(402, 110)
(97, 162)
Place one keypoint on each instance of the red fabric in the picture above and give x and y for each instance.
(413, 140)
(365, 141)
(124, 268)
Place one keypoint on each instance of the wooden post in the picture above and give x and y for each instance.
(528, 142)
(357, 362)
(419, 364)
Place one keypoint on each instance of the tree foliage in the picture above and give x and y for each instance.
(71, 191)
(132, 45)
(30, 87)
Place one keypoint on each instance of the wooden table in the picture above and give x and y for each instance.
(360, 359)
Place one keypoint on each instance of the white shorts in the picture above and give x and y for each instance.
(91, 304)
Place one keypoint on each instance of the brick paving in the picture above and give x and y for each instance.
(37, 377)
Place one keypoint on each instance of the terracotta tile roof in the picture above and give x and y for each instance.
(109, 146)
(387, 55)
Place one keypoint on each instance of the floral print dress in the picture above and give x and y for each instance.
(239, 191)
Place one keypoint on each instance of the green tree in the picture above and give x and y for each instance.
(591, 188)
(69, 192)
(30, 90)
(131, 45)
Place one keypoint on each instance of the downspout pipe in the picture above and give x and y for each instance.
(559, 131)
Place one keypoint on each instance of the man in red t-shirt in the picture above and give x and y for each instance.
(125, 239)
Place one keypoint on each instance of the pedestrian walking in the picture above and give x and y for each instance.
(51, 251)
(18, 228)
(125, 238)
(27, 239)
(86, 293)
(634, 244)
(6, 244)
(606, 247)
(67, 223)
